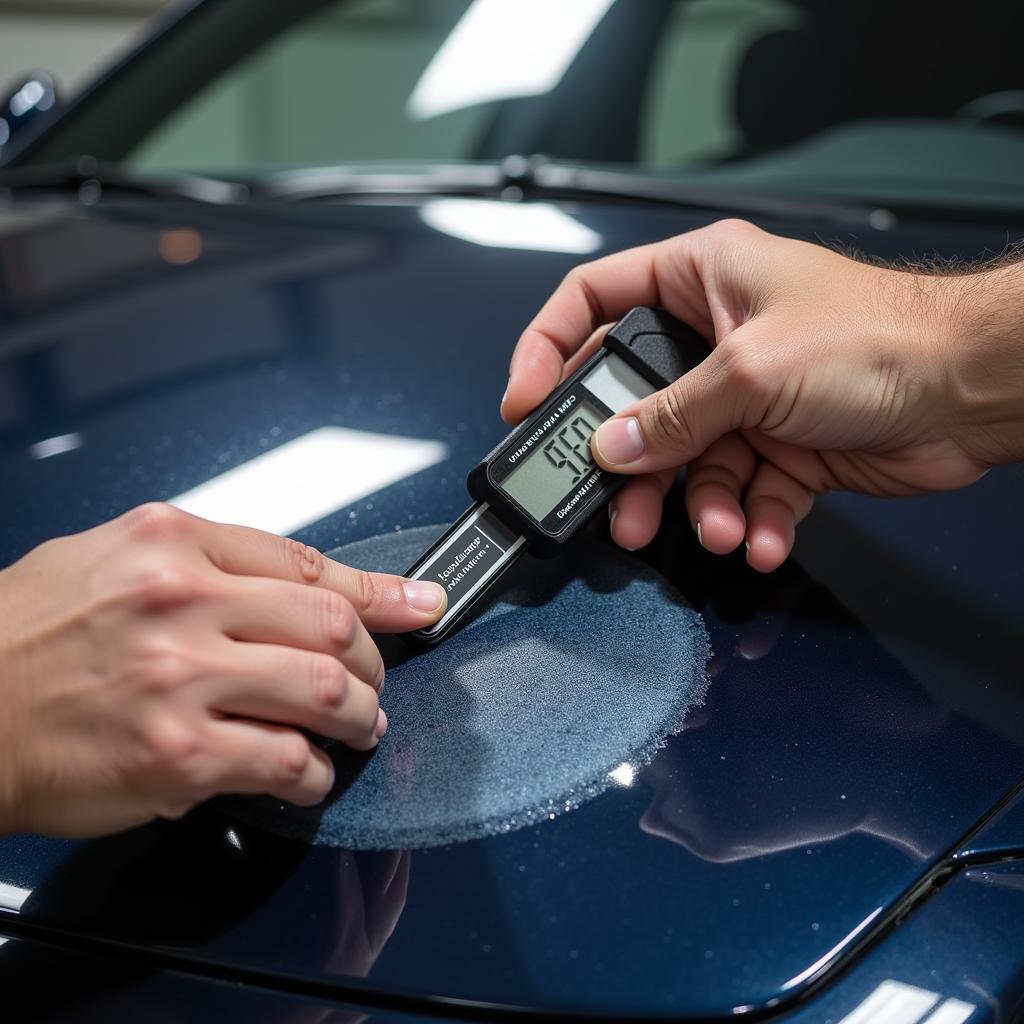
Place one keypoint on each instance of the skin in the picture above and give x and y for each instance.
(159, 659)
(826, 373)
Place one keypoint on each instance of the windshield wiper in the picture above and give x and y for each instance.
(514, 178)
(92, 178)
(518, 177)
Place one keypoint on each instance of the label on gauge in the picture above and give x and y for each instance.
(469, 557)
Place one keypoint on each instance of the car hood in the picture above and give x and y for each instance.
(864, 715)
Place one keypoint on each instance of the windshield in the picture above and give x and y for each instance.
(864, 101)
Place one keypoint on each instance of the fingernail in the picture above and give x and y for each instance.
(330, 783)
(507, 386)
(612, 513)
(382, 723)
(423, 596)
(700, 536)
(746, 544)
(620, 441)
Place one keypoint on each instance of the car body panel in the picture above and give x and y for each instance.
(912, 975)
(864, 716)
(957, 958)
(1001, 837)
(97, 987)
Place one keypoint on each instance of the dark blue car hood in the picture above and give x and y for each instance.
(865, 713)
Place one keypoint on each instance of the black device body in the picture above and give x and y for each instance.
(653, 349)
(660, 349)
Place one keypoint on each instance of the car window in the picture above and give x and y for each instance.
(337, 88)
(862, 100)
(688, 116)
(333, 88)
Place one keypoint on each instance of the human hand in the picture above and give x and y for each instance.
(826, 373)
(160, 659)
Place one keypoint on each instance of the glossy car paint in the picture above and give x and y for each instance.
(954, 959)
(1002, 837)
(865, 715)
(915, 975)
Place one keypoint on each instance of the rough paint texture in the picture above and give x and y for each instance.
(584, 663)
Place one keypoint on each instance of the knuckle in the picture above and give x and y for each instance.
(293, 756)
(330, 682)
(734, 231)
(340, 619)
(172, 810)
(668, 426)
(716, 476)
(747, 369)
(157, 519)
(578, 279)
(175, 751)
(161, 583)
(162, 665)
(367, 591)
(306, 560)
(575, 276)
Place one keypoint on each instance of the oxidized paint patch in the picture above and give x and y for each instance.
(585, 663)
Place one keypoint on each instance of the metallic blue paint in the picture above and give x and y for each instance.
(958, 954)
(1001, 837)
(864, 717)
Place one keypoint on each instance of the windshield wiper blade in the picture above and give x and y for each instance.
(91, 178)
(519, 177)
(370, 180)
(568, 181)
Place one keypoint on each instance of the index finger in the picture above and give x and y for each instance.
(384, 602)
(592, 294)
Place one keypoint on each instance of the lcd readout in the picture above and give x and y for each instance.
(552, 471)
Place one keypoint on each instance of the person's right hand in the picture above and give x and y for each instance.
(160, 659)
(826, 373)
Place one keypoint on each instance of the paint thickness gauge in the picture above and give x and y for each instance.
(541, 486)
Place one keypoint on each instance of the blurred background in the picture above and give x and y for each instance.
(73, 39)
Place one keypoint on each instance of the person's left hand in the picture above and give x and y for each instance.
(159, 660)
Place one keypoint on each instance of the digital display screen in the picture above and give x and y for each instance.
(553, 469)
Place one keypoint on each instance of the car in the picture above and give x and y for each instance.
(270, 268)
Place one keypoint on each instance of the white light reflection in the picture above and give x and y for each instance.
(11, 898)
(831, 954)
(952, 1011)
(510, 225)
(26, 98)
(623, 775)
(894, 1002)
(309, 477)
(55, 446)
(500, 49)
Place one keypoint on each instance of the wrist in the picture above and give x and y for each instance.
(985, 360)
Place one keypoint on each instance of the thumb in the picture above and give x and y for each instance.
(674, 425)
